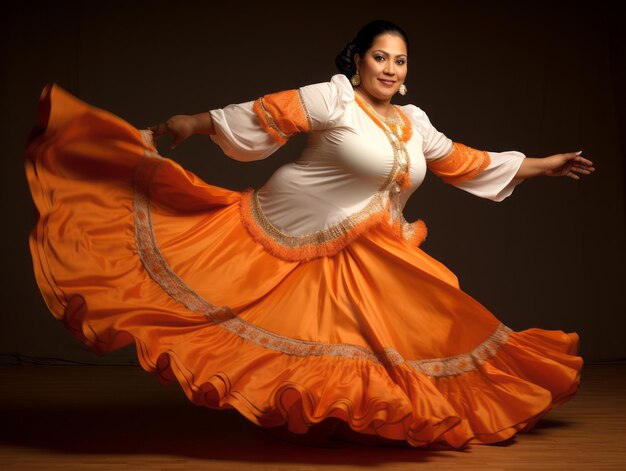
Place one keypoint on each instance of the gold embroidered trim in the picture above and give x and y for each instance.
(268, 119)
(282, 114)
(309, 120)
(402, 133)
(149, 254)
(222, 316)
(401, 158)
(414, 232)
(377, 204)
(299, 249)
(408, 230)
(465, 362)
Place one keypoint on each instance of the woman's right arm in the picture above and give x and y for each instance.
(256, 129)
(236, 129)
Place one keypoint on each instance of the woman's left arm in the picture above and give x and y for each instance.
(571, 164)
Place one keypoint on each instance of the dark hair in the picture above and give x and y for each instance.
(363, 41)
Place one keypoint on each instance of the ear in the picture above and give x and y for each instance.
(357, 61)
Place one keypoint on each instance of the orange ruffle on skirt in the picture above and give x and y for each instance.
(130, 247)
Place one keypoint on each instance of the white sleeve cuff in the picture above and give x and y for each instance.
(496, 181)
(239, 134)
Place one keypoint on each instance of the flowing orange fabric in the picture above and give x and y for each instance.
(130, 247)
(461, 164)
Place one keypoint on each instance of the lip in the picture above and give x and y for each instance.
(387, 83)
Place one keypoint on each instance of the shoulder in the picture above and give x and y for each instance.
(418, 118)
(338, 81)
(337, 88)
(326, 102)
(435, 143)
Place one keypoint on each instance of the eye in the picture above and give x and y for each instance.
(379, 58)
(401, 62)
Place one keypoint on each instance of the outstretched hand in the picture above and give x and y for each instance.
(179, 126)
(570, 164)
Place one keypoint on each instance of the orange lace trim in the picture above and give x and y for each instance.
(460, 164)
(413, 232)
(283, 114)
(326, 242)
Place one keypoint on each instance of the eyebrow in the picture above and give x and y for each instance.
(386, 53)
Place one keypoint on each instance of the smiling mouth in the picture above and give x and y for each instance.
(387, 82)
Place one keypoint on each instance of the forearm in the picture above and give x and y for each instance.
(532, 167)
(203, 123)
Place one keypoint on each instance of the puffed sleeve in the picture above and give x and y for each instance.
(482, 173)
(256, 129)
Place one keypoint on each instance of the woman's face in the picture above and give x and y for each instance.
(383, 67)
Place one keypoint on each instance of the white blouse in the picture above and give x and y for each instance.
(347, 162)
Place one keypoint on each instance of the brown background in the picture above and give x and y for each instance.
(493, 75)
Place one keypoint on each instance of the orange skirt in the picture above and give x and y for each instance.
(130, 247)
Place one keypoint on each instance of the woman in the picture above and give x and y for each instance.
(305, 304)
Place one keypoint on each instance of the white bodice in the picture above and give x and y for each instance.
(347, 162)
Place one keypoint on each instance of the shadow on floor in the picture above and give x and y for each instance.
(189, 431)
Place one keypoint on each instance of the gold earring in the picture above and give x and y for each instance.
(356, 80)
(403, 89)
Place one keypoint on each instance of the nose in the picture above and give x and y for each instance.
(390, 68)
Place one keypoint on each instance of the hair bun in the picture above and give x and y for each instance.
(345, 60)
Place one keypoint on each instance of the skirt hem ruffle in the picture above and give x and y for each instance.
(427, 413)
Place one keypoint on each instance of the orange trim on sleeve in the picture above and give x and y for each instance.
(282, 114)
(461, 164)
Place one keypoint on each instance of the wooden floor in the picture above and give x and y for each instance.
(110, 418)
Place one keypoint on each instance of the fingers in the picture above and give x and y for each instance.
(584, 165)
(579, 158)
(159, 130)
(576, 165)
(176, 141)
(579, 162)
(577, 169)
(573, 175)
(584, 161)
(574, 170)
